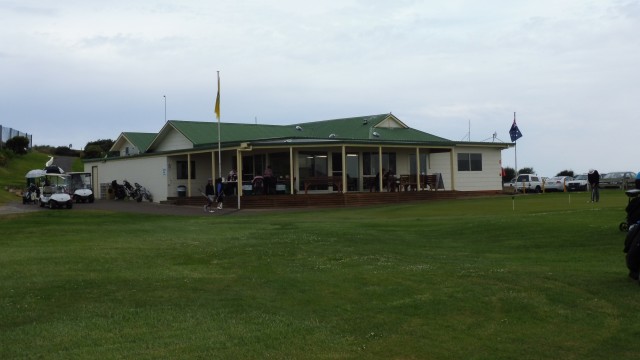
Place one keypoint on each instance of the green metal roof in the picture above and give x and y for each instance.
(140, 140)
(202, 133)
(363, 128)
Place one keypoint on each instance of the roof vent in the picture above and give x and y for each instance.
(365, 122)
(331, 136)
(375, 133)
(298, 127)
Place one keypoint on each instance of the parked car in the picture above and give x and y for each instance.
(556, 183)
(528, 183)
(579, 183)
(618, 179)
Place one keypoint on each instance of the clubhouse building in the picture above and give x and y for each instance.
(366, 154)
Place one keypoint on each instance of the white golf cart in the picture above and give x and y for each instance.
(53, 194)
(79, 186)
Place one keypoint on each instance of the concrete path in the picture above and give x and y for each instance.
(128, 206)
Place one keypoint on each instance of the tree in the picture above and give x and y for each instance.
(93, 152)
(566, 173)
(18, 144)
(98, 148)
(65, 151)
(509, 173)
(526, 170)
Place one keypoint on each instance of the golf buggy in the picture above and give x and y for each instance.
(79, 186)
(31, 194)
(54, 194)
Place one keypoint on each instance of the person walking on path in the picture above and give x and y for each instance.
(219, 192)
(210, 192)
(594, 181)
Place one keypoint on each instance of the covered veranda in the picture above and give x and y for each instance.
(315, 170)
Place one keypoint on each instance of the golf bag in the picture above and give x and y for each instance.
(632, 249)
(633, 211)
(32, 195)
(119, 191)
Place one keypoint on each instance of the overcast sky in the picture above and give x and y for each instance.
(74, 71)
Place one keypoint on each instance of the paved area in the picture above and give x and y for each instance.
(122, 206)
(16, 208)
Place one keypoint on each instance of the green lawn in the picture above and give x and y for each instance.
(463, 279)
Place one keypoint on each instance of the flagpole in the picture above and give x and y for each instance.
(218, 116)
(515, 147)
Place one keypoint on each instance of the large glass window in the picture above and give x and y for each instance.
(312, 164)
(183, 170)
(279, 163)
(370, 162)
(352, 165)
(247, 168)
(412, 164)
(352, 168)
(253, 165)
(469, 162)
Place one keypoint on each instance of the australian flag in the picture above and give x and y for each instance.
(515, 132)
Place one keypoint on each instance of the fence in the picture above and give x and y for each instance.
(7, 133)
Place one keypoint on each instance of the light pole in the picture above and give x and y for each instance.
(165, 107)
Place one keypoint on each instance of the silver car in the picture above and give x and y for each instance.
(579, 183)
(618, 179)
(556, 183)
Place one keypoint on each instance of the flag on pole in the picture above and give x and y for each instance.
(515, 132)
(217, 109)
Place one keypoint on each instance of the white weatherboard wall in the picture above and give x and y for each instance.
(488, 179)
(122, 150)
(150, 172)
(441, 163)
(174, 140)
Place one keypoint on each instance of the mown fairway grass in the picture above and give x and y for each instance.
(464, 279)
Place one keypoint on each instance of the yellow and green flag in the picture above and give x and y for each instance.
(217, 109)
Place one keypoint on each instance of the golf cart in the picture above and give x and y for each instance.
(79, 186)
(53, 194)
(31, 195)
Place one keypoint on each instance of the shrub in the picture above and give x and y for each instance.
(93, 152)
(65, 151)
(18, 144)
(4, 159)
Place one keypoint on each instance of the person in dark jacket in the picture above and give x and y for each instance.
(594, 182)
(219, 192)
(210, 191)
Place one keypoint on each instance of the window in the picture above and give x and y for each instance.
(469, 162)
(312, 164)
(183, 170)
(412, 164)
(279, 163)
(370, 162)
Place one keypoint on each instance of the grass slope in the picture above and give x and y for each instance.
(12, 176)
(472, 279)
